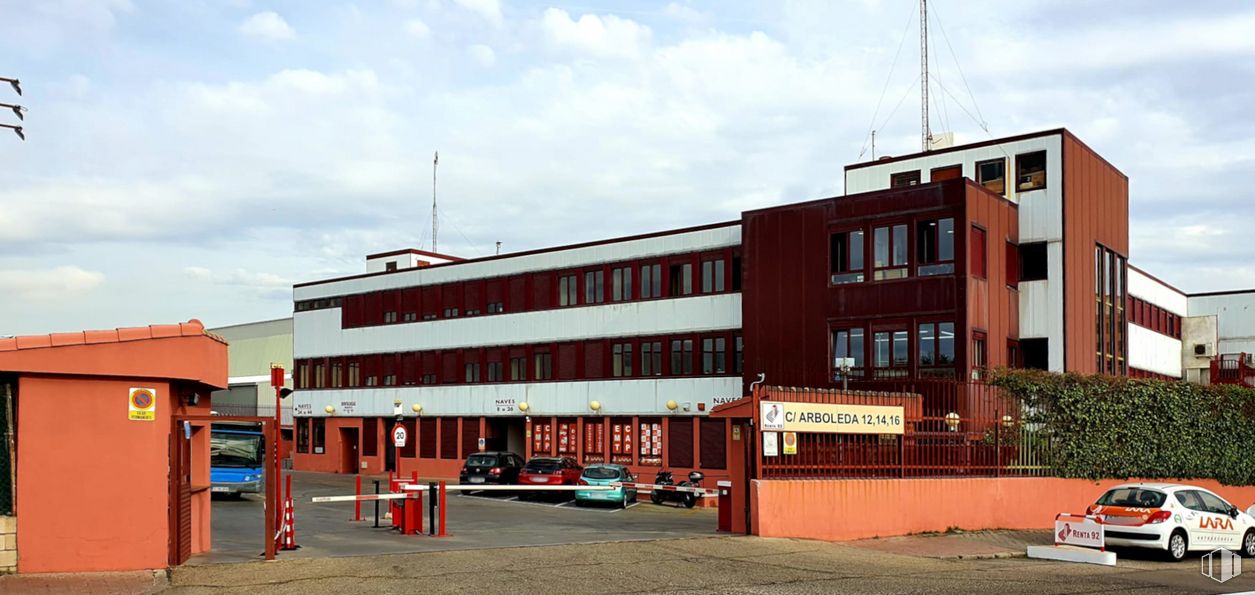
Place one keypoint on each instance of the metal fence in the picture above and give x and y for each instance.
(951, 429)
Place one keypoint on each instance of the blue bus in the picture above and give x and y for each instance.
(236, 457)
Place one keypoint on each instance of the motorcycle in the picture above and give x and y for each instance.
(688, 499)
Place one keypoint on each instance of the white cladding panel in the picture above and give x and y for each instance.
(1041, 211)
(1154, 352)
(318, 332)
(693, 241)
(1235, 319)
(1143, 286)
(1041, 306)
(645, 396)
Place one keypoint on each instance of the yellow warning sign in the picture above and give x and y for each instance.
(790, 443)
(142, 404)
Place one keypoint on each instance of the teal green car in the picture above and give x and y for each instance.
(602, 475)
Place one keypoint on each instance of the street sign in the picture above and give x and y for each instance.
(142, 404)
(770, 448)
(399, 436)
(790, 443)
(482, 444)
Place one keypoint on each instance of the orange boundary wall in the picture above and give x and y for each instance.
(841, 510)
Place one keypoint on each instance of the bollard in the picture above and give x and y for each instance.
(431, 510)
(376, 482)
(357, 505)
(444, 501)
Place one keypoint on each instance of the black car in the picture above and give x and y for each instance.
(491, 467)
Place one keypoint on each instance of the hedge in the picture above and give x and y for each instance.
(1101, 427)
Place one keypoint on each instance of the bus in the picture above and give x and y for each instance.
(236, 459)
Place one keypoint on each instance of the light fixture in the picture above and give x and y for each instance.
(672, 405)
(18, 110)
(1008, 421)
(16, 130)
(417, 408)
(16, 84)
(329, 409)
(594, 405)
(523, 406)
(952, 421)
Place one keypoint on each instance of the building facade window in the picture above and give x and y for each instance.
(355, 374)
(712, 276)
(518, 368)
(714, 355)
(682, 279)
(935, 343)
(904, 179)
(318, 376)
(594, 287)
(992, 175)
(890, 252)
(496, 307)
(681, 357)
(495, 372)
(845, 257)
(472, 372)
(1110, 323)
(543, 366)
(337, 375)
(621, 284)
(979, 257)
(651, 281)
(651, 358)
(302, 435)
(568, 291)
(319, 432)
(980, 355)
(848, 343)
(738, 361)
(934, 243)
(1030, 171)
(429, 378)
(621, 359)
(890, 350)
(450, 312)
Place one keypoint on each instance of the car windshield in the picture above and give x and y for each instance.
(1133, 497)
(601, 473)
(234, 450)
(542, 466)
(482, 460)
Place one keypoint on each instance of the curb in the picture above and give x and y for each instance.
(995, 556)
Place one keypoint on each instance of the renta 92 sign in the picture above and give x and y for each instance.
(831, 419)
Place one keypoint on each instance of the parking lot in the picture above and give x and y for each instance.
(474, 521)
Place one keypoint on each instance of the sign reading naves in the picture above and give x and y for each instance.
(831, 419)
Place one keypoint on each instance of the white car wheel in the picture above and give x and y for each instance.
(1177, 546)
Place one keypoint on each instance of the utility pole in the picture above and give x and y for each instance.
(926, 134)
(434, 162)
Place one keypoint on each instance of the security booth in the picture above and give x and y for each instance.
(109, 446)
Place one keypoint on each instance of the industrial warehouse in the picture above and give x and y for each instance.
(937, 266)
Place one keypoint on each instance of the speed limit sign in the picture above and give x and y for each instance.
(399, 436)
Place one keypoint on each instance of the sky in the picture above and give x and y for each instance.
(194, 159)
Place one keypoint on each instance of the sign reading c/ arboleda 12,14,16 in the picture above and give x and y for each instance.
(829, 418)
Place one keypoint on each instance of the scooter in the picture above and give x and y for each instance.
(688, 499)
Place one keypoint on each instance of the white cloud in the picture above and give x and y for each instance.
(684, 13)
(483, 54)
(599, 35)
(60, 283)
(417, 28)
(490, 10)
(261, 283)
(268, 26)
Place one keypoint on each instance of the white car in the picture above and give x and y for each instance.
(1174, 518)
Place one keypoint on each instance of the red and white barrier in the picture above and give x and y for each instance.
(651, 487)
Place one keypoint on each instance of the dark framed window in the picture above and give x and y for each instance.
(845, 257)
(651, 358)
(1034, 262)
(429, 378)
(738, 361)
(568, 290)
(318, 376)
(681, 279)
(889, 253)
(891, 353)
(389, 317)
(319, 435)
(1013, 354)
(848, 342)
(651, 281)
(355, 374)
(621, 359)
(1035, 353)
(712, 276)
(594, 287)
(903, 179)
(472, 372)
(935, 346)
(714, 355)
(450, 312)
(496, 307)
(980, 354)
(681, 357)
(1030, 171)
(992, 174)
(496, 372)
(337, 375)
(518, 368)
(621, 284)
(979, 257)
(949, 172)
(543, 365)
(302, 435)
(934, 246)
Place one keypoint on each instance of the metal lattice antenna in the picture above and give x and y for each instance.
(434, 162)
(926, 133)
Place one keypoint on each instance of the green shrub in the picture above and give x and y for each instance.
(1103, 427)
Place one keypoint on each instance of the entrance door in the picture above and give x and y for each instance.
(515, 442)
(389, 451)
(348, 450)
(180, 543)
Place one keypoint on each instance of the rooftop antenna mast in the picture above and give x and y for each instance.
(926, 133)
(434, 162)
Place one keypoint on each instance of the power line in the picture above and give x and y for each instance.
(888, 79)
